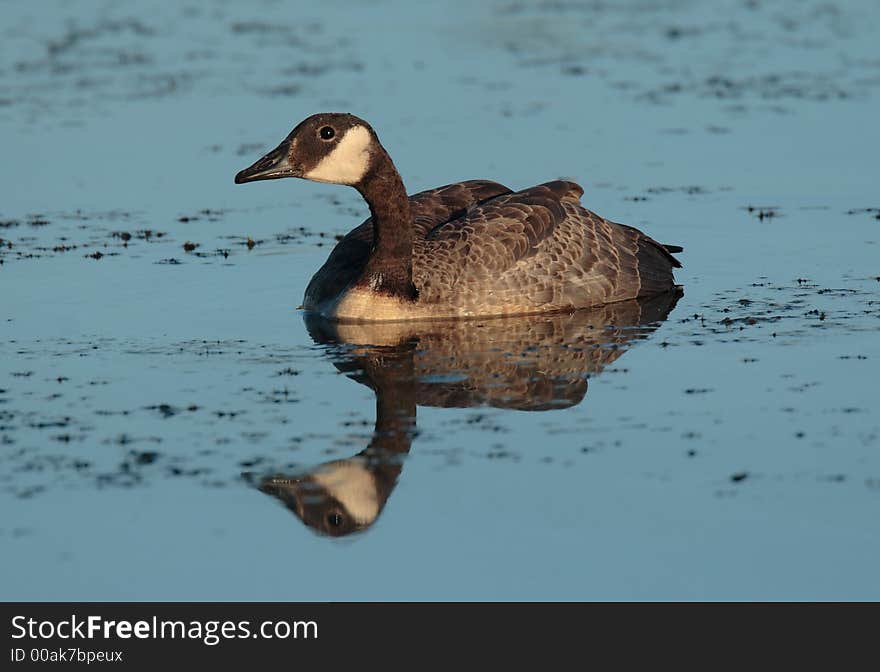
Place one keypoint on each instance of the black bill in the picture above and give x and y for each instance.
(274, 165)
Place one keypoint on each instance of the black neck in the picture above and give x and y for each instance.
(389, 269)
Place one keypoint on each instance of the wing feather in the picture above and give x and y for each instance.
(538, 248)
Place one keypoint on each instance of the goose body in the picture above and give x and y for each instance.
(467, 249)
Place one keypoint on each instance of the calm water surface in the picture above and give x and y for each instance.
(171, 427)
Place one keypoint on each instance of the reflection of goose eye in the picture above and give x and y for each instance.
(334, 520)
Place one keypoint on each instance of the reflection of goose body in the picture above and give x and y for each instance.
(535, 363)
(467, 249)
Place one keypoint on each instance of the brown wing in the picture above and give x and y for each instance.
(429, 209)
(435, 207)
(500, 232)
(536, 250)
(492, 255)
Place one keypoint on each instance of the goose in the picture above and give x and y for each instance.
(463, 250)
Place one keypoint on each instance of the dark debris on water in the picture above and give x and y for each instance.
(762, 212)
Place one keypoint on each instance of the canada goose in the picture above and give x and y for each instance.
(531, 363)
(467, 249)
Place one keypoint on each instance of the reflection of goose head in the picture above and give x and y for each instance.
(527, 363)
(345, 496)
(339, 497)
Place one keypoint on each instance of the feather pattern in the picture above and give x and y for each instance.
(429, 209)
(479, 248)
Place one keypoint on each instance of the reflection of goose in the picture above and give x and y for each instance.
(527, 363)
(463, 250)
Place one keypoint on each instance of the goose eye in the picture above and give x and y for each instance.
(327, 133)
(334, 519)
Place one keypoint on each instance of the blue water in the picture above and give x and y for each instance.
(730, 451)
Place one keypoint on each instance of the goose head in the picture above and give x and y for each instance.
(328, 147)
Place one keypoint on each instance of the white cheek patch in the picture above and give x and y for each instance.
(353, 486)
(349, 160)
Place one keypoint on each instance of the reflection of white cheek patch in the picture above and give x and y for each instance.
(349, 160)
(353, 486)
